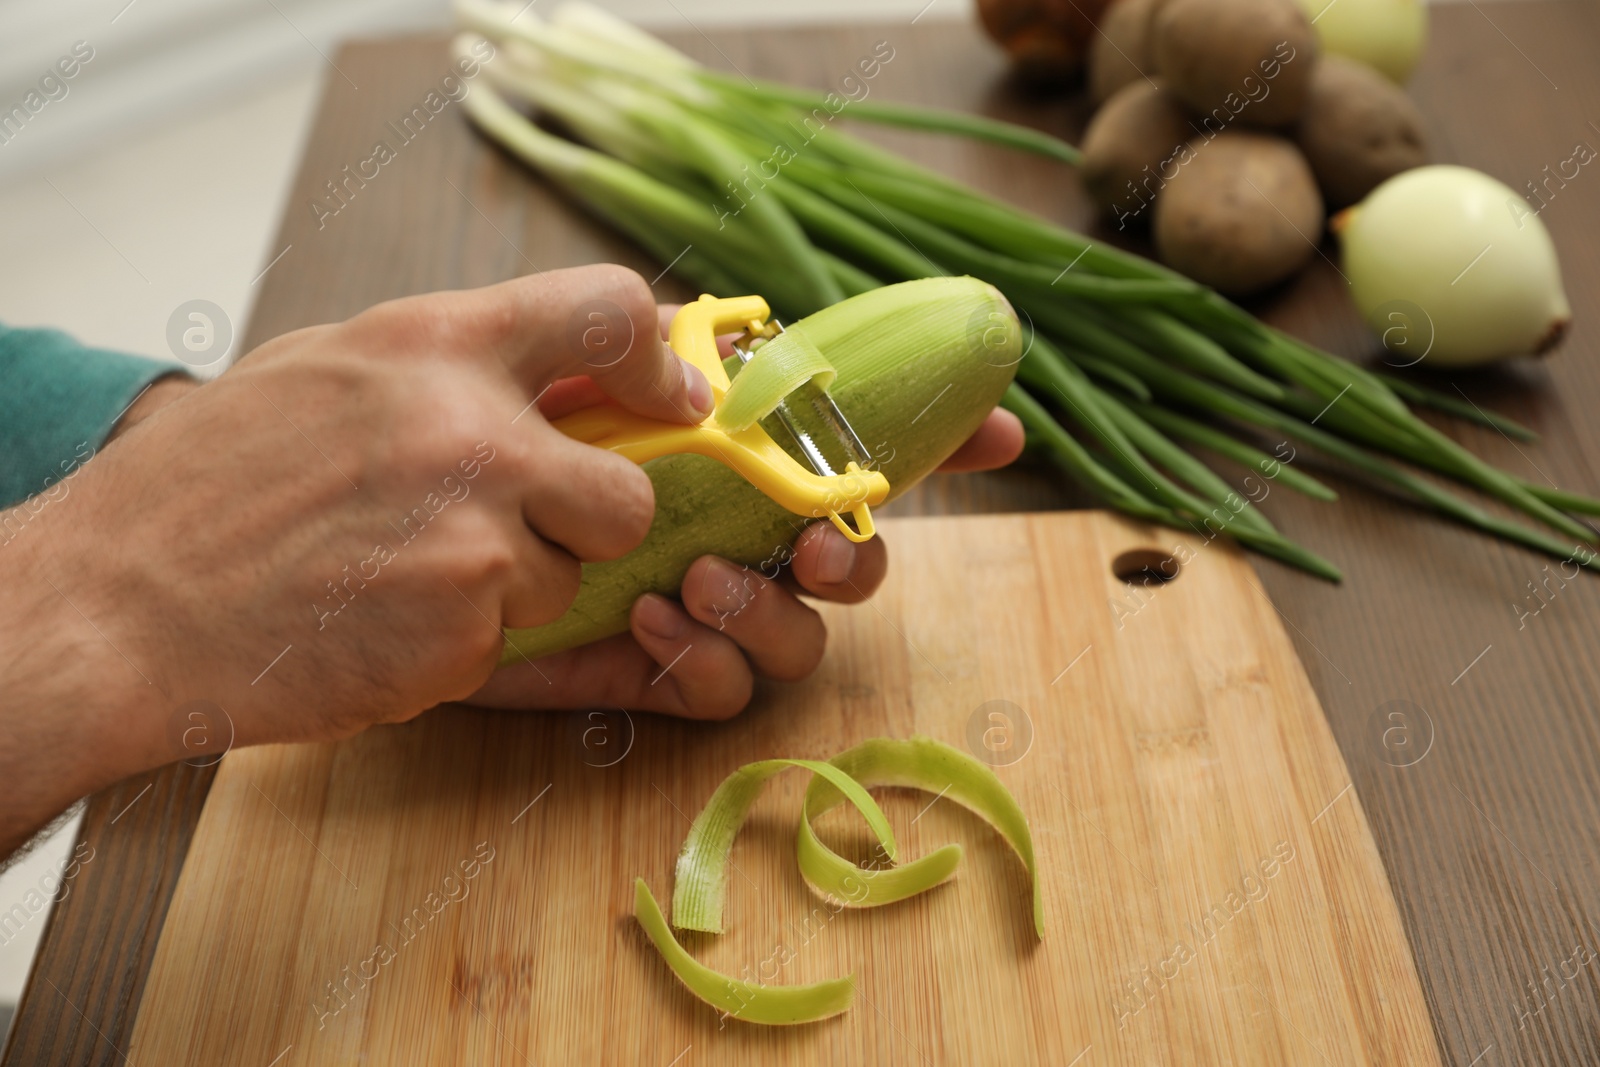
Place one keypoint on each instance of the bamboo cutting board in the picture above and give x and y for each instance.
(459, 889)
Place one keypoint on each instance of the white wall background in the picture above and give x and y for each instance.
(161, 174)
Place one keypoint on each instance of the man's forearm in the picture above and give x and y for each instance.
(59, 744)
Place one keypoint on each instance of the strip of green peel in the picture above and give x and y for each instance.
(700, 887)
(776, 369)
(934, 767)
(787, 1005)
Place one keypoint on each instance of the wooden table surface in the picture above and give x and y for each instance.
(1465, 707)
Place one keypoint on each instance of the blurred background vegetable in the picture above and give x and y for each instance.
(1046, 39)
(1120, 52)
(1357, 129)
(1209, 223)
(1387, 35)
(1246, 61)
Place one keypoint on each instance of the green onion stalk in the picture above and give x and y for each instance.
(746, 186)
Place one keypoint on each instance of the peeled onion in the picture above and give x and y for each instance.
(1385, 34)
(1452, 267)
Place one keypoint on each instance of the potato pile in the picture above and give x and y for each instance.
(1225, 132)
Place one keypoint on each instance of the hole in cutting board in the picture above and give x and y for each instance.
(1142, 566)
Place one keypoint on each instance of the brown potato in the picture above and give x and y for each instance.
(1120, 52)
(1129, 150)
(1241, 214)
(1236, 61)
(1358, 129)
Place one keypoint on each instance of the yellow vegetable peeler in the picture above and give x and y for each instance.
(740, 442)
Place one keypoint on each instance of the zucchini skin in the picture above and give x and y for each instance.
(912, 404)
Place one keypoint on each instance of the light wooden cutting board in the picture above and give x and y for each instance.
(459, 890)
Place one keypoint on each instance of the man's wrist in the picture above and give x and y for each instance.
(75, 715)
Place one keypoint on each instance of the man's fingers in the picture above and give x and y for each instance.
(692, 659)
(783, 637)
(598, 321)
(542, 584)
(829, 565)
(508, 575)
(996, 443)
(704, 673)
(591, 502)
(569, 395)
(673, 661)
(704, 678)
(608, 331)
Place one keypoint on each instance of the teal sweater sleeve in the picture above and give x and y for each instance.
(58, 402)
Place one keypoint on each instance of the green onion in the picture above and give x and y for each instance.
(915, 118)
(1271, 467)
(1462, 408)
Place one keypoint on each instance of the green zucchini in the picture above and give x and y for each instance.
(920, 365)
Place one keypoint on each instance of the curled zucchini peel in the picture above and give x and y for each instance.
(703, 863)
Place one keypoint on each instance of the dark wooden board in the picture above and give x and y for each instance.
(1483, 795)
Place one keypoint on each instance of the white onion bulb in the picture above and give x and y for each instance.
(1452, 267)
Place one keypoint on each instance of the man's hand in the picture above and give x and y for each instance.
(329, 535)
(332, 534)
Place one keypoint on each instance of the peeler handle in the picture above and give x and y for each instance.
(750, 452)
